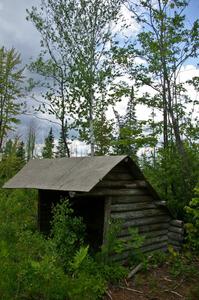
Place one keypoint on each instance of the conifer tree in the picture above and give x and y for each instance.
(20, 152)
(47, 151)
(61, 148)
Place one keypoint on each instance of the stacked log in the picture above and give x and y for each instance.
(176, 234)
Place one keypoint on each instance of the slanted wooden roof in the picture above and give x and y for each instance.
(68, 174)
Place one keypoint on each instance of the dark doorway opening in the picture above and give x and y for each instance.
(91, 209)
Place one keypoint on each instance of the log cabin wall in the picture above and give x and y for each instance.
(176, 234)
(130, 200)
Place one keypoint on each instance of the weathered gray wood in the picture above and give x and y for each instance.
(161, 203)
(150, 248)
(151, 241)
(115, 184)
(174, 243)
(107, 213)
(175, 236)
(137, 214)
(153, 227)
(153, 247)
(176, 229)
(177, 223)
(118, 176)
(137, 183)
(146, 235)
(146, 228)
(117, 192)
(131, 199)
(155, 240)
(147, 221)
(131, 206)
(123, 183)
(135, 270)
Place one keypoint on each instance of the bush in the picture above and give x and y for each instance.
(67, 232)
(192, 228)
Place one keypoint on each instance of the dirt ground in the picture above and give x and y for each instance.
(159, 284)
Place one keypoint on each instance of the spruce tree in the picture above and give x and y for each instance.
(47, 151)
(20, 152)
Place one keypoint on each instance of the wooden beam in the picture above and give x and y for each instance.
(147, 221)
(147, 228)
(118, 176)
(107, 214)
(117, 192)
(131, 206)
(175, 236)
(177, 223)
(137, 214)
(131, 199)
(147, 235)
(176, 229)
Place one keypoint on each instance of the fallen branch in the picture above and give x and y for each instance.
(135, 270)
(175, 293)
(167, 279)
(131, 290)
(109, 295)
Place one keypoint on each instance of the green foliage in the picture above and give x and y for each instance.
(20, 152)
(12, 160)
(68, 232)
(192, 227)
(79, 257)
(135, 243)
(112, 245)
(166, 177)
(62, 148)
(115, 245)
(158, 258)
(10, 91)
(74, 64)
(47, 151)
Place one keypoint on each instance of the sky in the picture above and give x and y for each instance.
(17, 32)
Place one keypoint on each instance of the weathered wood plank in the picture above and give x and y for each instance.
(150, 248)
(146, 235)
(118, 176)
(146, 228)
(124, 184)
(147, 221)
(131, 207)
(160, 203)
(175, 236)
(137, 214)
(137, 183)
(107, 213)
(116, 192)
(175, 243)
(176, 229)
(151, 241)
(153, 247)
(131, 199)
(116, 183)
(177, 223)
(153, 227)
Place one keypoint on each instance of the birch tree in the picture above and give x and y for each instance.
(76, 37)
(11, 78)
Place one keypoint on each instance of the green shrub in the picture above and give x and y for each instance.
(68, 232)
(192, 228)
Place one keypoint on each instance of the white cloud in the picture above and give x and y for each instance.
(127, 26)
